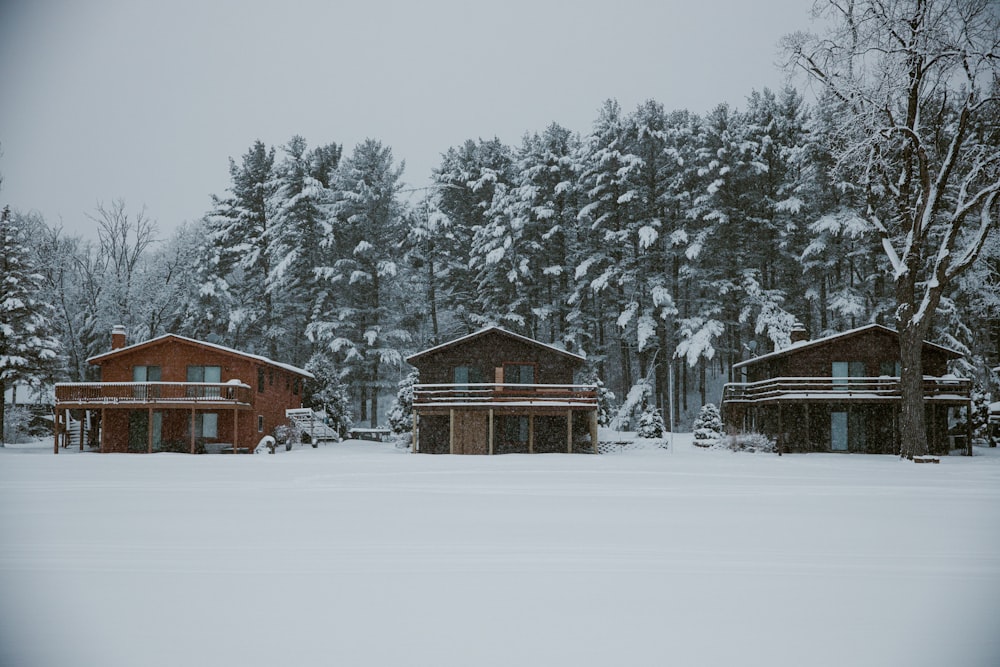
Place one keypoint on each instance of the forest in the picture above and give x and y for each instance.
(665, 246)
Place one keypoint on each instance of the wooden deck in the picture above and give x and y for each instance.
(428, 397)
(847, 389)
(92, 395)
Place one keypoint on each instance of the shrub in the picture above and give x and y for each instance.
(749, 442)
(651, 424)
(708, 426)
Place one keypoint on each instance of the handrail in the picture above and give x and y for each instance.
(485, 393)
(101, 393)
(832, 387)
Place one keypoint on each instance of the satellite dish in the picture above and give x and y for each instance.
(752, 346)
(213, 338)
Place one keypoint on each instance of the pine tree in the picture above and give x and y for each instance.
(29, 353)
(707, 426)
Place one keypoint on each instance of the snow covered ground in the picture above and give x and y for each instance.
(363, 554)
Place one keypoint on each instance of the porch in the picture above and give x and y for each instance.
(148, 417)
(495, 418)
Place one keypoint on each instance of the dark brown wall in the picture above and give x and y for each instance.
(173, 357)
(872, 347)
(490, 351)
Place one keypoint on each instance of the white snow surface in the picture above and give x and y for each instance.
(364, 554)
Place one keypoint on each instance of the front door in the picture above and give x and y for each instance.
(471, 434)
(838, 431)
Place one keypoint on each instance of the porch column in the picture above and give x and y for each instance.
(569, 431)
(491, 431)
(192, 430)
(451, 431)
(808, 442)
(55, 421)
(594, 435)
(66, 434)
(968, 428)
(101, 430)
(780, 432)
(413, 444)
(531, 432)
(86, 422)
(236, 430)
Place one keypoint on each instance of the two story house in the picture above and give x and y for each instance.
(495, 391)
(841, 393)
(173, 393)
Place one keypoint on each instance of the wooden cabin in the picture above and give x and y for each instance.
(841, 393)
(173, 393)
(495, 392)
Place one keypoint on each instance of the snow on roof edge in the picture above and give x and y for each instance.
(221, 348)
(825, 339)
(484, 330)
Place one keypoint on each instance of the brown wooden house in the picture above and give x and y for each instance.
(173, 393)
(842, 393)
(495, 392)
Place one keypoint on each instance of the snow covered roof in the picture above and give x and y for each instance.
(221, 348)
(795, 347)
(464, 339)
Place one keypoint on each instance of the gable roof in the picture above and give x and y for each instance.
(493, 329)
(200, 343)
(795, 347)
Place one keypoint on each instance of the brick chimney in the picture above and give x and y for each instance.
(118, 337)
(798, 333)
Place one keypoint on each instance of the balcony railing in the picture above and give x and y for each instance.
(112, 393)
(505, 395)
(840, 388)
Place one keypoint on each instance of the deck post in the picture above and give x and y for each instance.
(569, 431)
(491, 431)
(192, 430)
(55, 421)
(236, 430)
(86, 421)
(149, 431)
(531, 432)
(808, 438)
(83, 427)
(968, 428)
(594, 436)
(413, 445)
(780, 432)
(451, 431)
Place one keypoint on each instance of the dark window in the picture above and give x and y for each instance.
(204, 373)
(270, 377)
(260, 422)
(467, 375)
(260, 380)
(516, 429)
(890, 368)
(519, 374)
(295, 387)
(145, 374)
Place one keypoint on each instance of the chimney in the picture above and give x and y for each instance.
(118, 337)
(798, 333)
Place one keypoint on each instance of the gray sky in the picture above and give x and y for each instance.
(146, 101)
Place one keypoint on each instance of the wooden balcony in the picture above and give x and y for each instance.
(830, 389)
(488, 395)
(153, 394)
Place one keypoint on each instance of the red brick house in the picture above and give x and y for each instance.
(495, 392)
(173, 393)
(842, 393)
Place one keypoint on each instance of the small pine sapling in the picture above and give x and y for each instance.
(651, 424)
(708, 426)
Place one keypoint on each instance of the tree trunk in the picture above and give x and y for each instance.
(912, 422)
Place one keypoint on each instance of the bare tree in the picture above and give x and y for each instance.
(916, 82)
(122, 240)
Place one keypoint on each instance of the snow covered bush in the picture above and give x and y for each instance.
(708, 426)
(401, 412)
(15, 425)
(749, 442)
(290, 434)
(651, 424)
(605, 400)
(638, 401)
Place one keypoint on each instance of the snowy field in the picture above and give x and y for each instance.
(362, 554)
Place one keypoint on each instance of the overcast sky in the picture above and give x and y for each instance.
(146, 101)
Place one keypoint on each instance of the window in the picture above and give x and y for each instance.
(519, 373)
(840, 371)
(206, 425)
(890, 368)
(295, 387)
(260, 380)
(204, 373)
(145, 374)
(516, 429)
(468, 375)
(260, 423)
